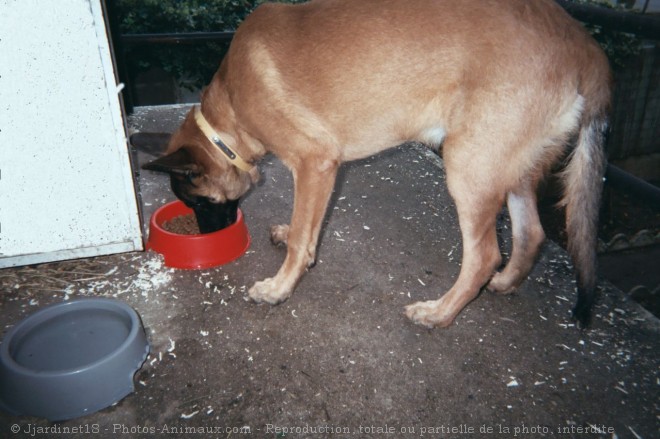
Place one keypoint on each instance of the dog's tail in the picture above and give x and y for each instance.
(583, 184)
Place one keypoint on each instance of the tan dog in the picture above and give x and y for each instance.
(503, 85)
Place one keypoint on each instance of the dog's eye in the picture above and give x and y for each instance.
(190, 177)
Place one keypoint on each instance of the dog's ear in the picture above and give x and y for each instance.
(179, 162)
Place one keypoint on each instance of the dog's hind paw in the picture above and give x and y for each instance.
(429, 314)
(501, 284)
(268, 291)
(279, 234)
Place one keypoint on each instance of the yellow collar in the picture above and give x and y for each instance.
(214, 138)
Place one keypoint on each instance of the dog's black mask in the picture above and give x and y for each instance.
(210, 216)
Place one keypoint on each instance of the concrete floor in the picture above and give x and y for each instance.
(339, 359)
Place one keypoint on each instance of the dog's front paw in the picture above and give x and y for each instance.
(268, 291)
(429, 314)
(279, 234)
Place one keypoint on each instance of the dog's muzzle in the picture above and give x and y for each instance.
(214, 216)
(210, 216)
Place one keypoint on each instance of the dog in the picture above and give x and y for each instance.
(509, 88)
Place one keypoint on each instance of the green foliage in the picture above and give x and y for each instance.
(620, 47)
(192, 65)
(147, 16)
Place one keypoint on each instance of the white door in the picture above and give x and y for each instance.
(66, 186)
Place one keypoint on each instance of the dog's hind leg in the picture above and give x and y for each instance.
(478, 200)
(528, 236)
(314, 180)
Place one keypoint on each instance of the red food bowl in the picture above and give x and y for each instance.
(196, 251)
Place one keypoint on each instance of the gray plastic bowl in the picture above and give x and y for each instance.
(71, 359)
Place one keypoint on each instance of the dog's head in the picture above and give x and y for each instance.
(203, 174)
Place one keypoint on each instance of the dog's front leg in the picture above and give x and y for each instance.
(314, 180)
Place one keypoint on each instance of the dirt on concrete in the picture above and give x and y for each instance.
(339, 358)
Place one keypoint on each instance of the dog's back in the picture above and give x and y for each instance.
(405, 65)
